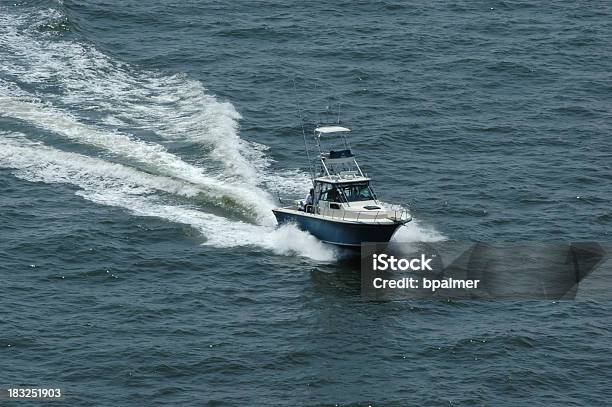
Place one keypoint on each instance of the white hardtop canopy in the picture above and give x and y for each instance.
(331, 129)
(335, 179)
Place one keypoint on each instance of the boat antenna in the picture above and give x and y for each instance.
(297, 104)
(338, 112)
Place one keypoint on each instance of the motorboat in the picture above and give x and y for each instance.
(341, 208)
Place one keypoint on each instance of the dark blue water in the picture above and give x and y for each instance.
(142, 146)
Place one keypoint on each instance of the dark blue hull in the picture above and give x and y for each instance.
(338, 232)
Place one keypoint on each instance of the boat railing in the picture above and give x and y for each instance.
(395, 213)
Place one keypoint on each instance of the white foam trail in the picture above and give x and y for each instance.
(117, 185)
(45, 116)
(173, 106)
(220, 232)
(37, 162)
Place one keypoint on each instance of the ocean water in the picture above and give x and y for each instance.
(143, 144)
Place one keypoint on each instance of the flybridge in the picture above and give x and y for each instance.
(337, 165)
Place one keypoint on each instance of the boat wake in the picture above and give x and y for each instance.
(60, 96)
(145, 194)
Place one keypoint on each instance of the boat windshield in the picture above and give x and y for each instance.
(356, 192)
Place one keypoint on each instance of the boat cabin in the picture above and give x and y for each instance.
(340, 184)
